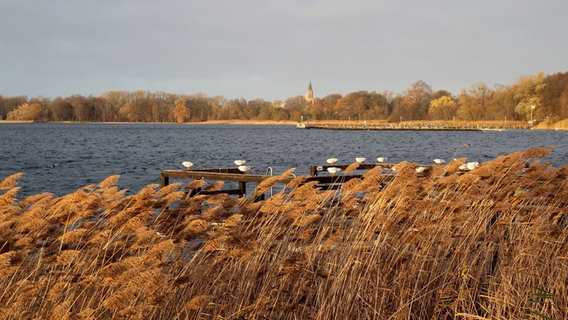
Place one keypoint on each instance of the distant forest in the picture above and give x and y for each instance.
(542, 97)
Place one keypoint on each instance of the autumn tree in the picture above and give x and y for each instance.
(501, 105)
(352, 106)
(329, 107)
(61, 110)
(198, 106)
(83, 109)
(316, 110)
(223, 111)
(215, 107)
(161, 105)
(266, 112)
(29, 112)
(563, 101)
(180, 111)
(280, 113)
(362, 105)
(296, 108)
(443, 108)
(554, 97)
(415, 103)
(235, 108)
(140, 106)
(111, 103)
(527, 91)
(472, 102)
(379, 107)
(258, 106)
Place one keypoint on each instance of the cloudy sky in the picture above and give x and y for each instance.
(271, 49)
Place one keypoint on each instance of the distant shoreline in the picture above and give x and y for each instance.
(236, 122)
(561, 125)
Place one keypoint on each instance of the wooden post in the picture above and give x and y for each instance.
(242, 188)
(165, 180)
(313, 170)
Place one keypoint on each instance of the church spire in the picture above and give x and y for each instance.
(310, 94)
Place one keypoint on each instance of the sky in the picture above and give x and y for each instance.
(272, 49)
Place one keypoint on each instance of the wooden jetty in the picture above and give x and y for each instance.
(235, 175)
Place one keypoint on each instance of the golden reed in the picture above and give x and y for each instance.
(490, 243)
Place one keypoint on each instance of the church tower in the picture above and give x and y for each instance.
(310, 95)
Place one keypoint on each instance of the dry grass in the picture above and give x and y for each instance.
(560, 125)
(491, 243)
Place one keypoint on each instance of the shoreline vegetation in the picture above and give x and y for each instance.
(488, 243)
(535, 98)
(532, 99)
(560, 125)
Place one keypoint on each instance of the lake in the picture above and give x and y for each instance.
(60, 158)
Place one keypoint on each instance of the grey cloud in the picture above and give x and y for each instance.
(271, 49)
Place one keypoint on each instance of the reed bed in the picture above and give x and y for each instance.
(491, 243)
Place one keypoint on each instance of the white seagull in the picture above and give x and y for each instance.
(439, 161)
(421, 169)
(245, 168)
(472, 165)
(381, 159)
(333, 170)
(332, 160)
(187, 164)
(360, 159)
(240, 162)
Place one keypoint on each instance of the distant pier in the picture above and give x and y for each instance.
(412, 125)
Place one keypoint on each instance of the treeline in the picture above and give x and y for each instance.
(538, 97)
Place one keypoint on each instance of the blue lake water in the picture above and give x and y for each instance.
(60, 158)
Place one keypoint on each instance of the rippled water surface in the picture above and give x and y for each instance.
(61, 158)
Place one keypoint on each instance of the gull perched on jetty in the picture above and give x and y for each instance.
(332, 160)
(439, 161)
(240, 162)
(360, 159)
(333, 170)
(381, 159)
(245, 168)
(187, 164)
